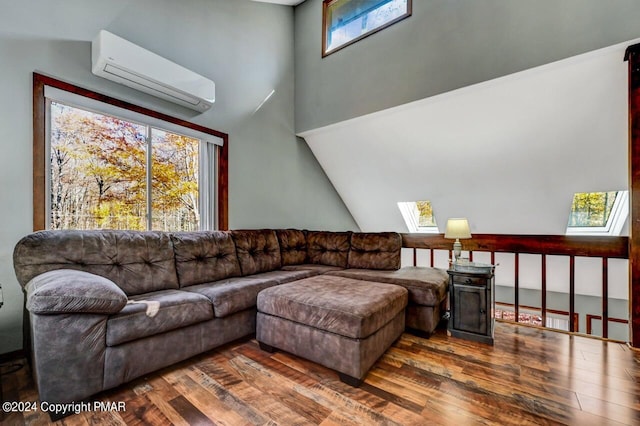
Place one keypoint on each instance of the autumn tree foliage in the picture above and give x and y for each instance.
(591, 208)
(426, 213)
(99, 167)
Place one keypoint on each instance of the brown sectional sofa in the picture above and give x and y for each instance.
(106, 307)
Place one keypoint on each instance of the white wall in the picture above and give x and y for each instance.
(245, 47)
(508, 154)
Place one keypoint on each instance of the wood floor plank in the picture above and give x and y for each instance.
(106, 418)
(276, 365)
(259, 394)
(228, 397)
(572, 378)
(464, 399)
(347, 406)
(191, 414)
(382, 381)
(499, 385)
(141, 411)
(209, 405)
(609, 394)
(77, 420)
(403, 416)
(167, 409)
(392, 398)
(360, 394)
(490, 407)
(529, 377)
(609, 410)
(287, 392)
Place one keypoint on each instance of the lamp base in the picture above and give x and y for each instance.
(457, 249)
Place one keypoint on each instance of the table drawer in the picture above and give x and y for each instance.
(469, 280)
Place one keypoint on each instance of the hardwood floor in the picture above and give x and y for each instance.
(530, 376)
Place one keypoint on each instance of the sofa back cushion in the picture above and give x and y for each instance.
(202, 257)
(293, 246)
(378, 250)
(257, 250)
(328, 248)
(136, 261)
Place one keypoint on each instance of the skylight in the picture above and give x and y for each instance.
(418, 215)
(598, 213)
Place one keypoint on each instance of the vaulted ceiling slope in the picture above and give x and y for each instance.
(508, 153)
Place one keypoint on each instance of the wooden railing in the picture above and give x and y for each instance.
(576, 316)
(544, 245)
(591, 317)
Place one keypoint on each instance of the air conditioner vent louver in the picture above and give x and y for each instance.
(119, 60)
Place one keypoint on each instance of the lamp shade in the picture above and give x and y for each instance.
(457, 228)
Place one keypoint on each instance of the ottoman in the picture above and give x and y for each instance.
(341, 323)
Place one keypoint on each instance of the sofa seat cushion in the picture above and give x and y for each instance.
(427, 286)
(319, 269)
(257, 250)
(283, 277)
(233, 294)
(350, 308)
(206, 256)
(157, 312)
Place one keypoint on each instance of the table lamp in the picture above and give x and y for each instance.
(457, 228)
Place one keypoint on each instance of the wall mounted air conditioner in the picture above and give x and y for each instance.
(117, 59)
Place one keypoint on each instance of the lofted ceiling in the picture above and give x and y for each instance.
(508, 154)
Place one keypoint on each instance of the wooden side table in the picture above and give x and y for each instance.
(472, 305)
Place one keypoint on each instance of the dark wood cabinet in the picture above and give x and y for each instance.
(472, 304)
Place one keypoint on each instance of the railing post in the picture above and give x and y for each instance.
(516, 301)
(572, 292)
(605, 298)
(544, 291)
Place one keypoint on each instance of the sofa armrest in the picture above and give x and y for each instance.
(71, 291)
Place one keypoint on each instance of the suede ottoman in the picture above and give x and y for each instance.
(341, 323)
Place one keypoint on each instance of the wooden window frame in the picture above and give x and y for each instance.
(326, 4)
(40, 196)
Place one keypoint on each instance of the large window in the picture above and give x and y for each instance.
(107, 172)
(347, 21)
(108, 167)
